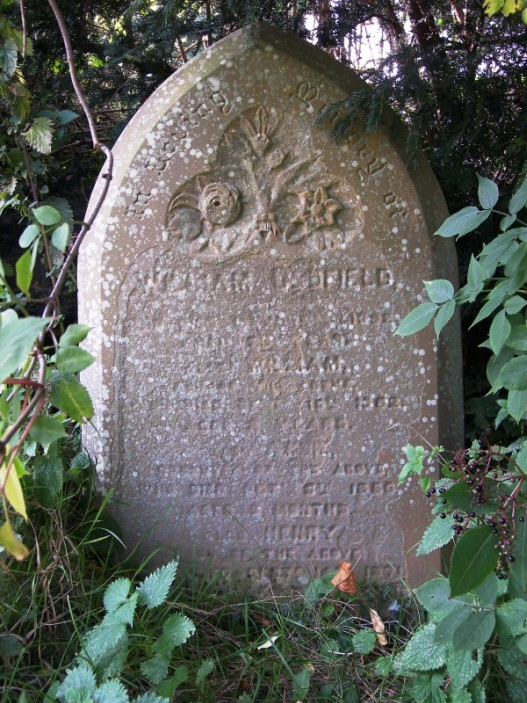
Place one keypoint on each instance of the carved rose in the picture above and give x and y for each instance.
(220, 204)
(316, 209)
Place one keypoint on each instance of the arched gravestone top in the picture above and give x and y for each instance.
(244, 279)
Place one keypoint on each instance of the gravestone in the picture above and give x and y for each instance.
(244, 279)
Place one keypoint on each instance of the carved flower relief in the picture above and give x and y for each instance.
(316, 211)
(219, 204)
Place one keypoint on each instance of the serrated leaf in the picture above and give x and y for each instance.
(487, 193)
(28, 236)
(154, 589)
(463, 222)
(150, 698)
(417, 319)
(78, 686)
(462, 667)
(512, 6)
(73, 359)
(474, 557)
(10, 542)
(205, 669)
(60, 236)
(12, 489)
(517, 404)
(74, 335)
(102, 638)
(48, 477)
(492, 7)
(46, 215)
(440, 290)
(499, 332)
(155, 669)
(111, 692)
(8, 56)
(73, 399)
(176, 631)
(364, 641)
(518, 200)
(40, 135)
(421, 652)
(116, 594)
(24, 272)
(46, 430)
(301, 683)
(512, 617)
(65, 116)
(168, 686)
(475, 631)
(436, 535)
(513, 375)
(444, 315)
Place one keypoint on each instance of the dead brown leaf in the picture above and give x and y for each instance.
(344, 579)
(379, 628)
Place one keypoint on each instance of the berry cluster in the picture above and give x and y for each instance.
(494, 488)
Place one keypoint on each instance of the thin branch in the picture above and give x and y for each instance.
(24, 31)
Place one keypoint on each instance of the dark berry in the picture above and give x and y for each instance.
(521, 519)
(428, 494)
(442, 516)
(477, 489)
(472, 514)
(510, 558)
(470, 482)
(432, 490)
(442, 490)
(443, 501)
(502, 521)
(495, 531)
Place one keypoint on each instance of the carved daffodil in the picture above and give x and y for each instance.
(317, 209)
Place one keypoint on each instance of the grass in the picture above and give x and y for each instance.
(304, 646)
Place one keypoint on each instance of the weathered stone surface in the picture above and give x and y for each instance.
(244, 280)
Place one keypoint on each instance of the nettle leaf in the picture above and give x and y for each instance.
(517, 404)
(436, 535)
(463, 222)
(474, 557)
(176, 631)
(40, 134)
(421, 653)
(46, 215)
(78, 686)
(499, 332)
(46, 430)
(74, 335)
(444, 315)
(150, 698)
(475, 630)
(111, 692)
(462, 667)
(512, 617)
(154, 589)
(48, 476)
(488, 193)
(518, 200)
(428, 689)
(155, 669)
(513, 375)
(417, 319)
(103, 637)
(73, 399)
(205, 669)
(116, 594)
(364, 641)
(439, 290)
(73, 359)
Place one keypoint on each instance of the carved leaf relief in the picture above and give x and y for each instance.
(265, 186)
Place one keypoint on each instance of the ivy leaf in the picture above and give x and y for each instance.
(518, 200)
(487, 193)
(499, 332)
(474, 557)
(364, 641)
(417, 319)
(24, 272)
(73, 359)
(46, 430)
(440, 290)
(437, 534)
(73, 399)
(40, 135)
(10, 542)
(421, 652)
(176, 631)
(463, 222)
(475, 630)
(154, 589)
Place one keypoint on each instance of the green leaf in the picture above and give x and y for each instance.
(499, 332)
(74, 335)
(60, 236)
(168, 686)
(518, 567)
(116, 594)
(417, 319)
(475, 278)
(487, 193)
(364, 641)
(111, 692)
(513, 375)
(512, 617)
(301, 683)
(66, 116)
(154, 589)
(28, 236)
(46, 215)
(73, 399)
(474, 557)
(428, 689)
(206, 667)
(462, 667)
(150, 698)
(492, 7)
(518, 337)
(518, 200)
(155, 669)
(73, 359)
(436, 535)
(78, 686)
(176, 631)
(46, 430)
(40, 135)
(444, 316)
(487, 593)
(517, 404)
(48, 477)
(515, 304)
(24, 272)
(495, 366)
(421, 652)
(475, 631)
(463, 222)
(447, 626)
(439, 290)
(103, 637)
(434, 595)
(8, 56)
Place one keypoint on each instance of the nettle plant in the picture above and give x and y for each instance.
(125, 638)
(478, 614)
